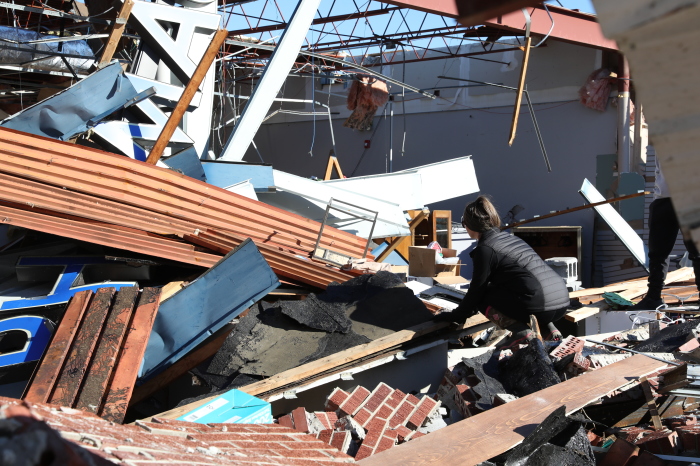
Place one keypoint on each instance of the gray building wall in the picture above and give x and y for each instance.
(472, 121)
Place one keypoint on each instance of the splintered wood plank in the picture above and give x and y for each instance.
(478, 438)
(126, 370)
(42, 384)
(81, 351)
(103, 361)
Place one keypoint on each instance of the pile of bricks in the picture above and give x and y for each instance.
(362, 423)
(456, 392)
(37, 433)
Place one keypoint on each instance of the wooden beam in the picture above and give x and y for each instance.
(116, 33)
(574, 209)
(393, 244)
(479, 438)
(519, 92)
(651, 405)
(323, 365)
(333, 162)
(190, 90)
(205, 350)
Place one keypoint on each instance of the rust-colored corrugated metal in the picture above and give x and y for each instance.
(39, 195)
(282, 263)
(107, 235)
(93, 359)
(163, 191)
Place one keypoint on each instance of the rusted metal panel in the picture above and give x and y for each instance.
(105, 356)
(282, 263)
(73, 372)
(126, 369)
(107, 235)
(40, 195)
(41, 386)
(160, 190)
(76, 364)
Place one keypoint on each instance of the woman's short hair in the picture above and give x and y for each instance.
(481, 215)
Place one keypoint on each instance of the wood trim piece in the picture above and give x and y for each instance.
(519, 92)
(116, 33)
(394, 243)
(497, 430)
(192, 87)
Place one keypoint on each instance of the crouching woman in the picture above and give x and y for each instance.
(510, 281)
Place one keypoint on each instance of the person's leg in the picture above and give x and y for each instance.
(663, 230)
(514, 323)
(694, 256)
(546, 319)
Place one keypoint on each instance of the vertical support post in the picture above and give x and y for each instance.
(271, 81)
(186, 97)
(623, 117)
(391, 134)
(519, 92)
(116, 33)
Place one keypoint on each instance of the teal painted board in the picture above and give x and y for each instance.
(631, 209)
(225, 174)
(233, 406)
(236, 282)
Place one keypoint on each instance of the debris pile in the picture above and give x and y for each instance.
(362, 423)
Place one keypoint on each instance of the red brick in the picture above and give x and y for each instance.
(335, 399)
(663, 442)
(385, 443)
(377, 397)
(354, 401)
(363, 416)
(325, 436)
(384, 412)
(595, 439)
(424, 409)
(689, 438)
(377, 425)
(646, 459)
(570, 344)
(341, 441)
(580, 363)
(328, 419)
(466, 393)
(620, 454)
(402, 413)
(286, 421)
(416, 435)
(301, 423)
(690, 345)
(363, 452)
(402, 432)
(372, 438)
(395, 399)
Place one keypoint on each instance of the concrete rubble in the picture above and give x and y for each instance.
(187, 278)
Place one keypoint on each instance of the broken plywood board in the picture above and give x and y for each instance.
(493, 432)
(321, 367)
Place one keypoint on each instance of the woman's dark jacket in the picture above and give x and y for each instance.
(511, 277)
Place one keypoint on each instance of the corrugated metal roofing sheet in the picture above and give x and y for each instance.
(163, 191)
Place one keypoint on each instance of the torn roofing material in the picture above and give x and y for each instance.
(163, 191)
(235, 283)
(77, 108)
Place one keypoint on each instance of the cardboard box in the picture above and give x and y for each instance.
(233, 406)
(421, 263)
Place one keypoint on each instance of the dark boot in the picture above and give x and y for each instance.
(554, 333)
(649, 303)
(520, 333)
